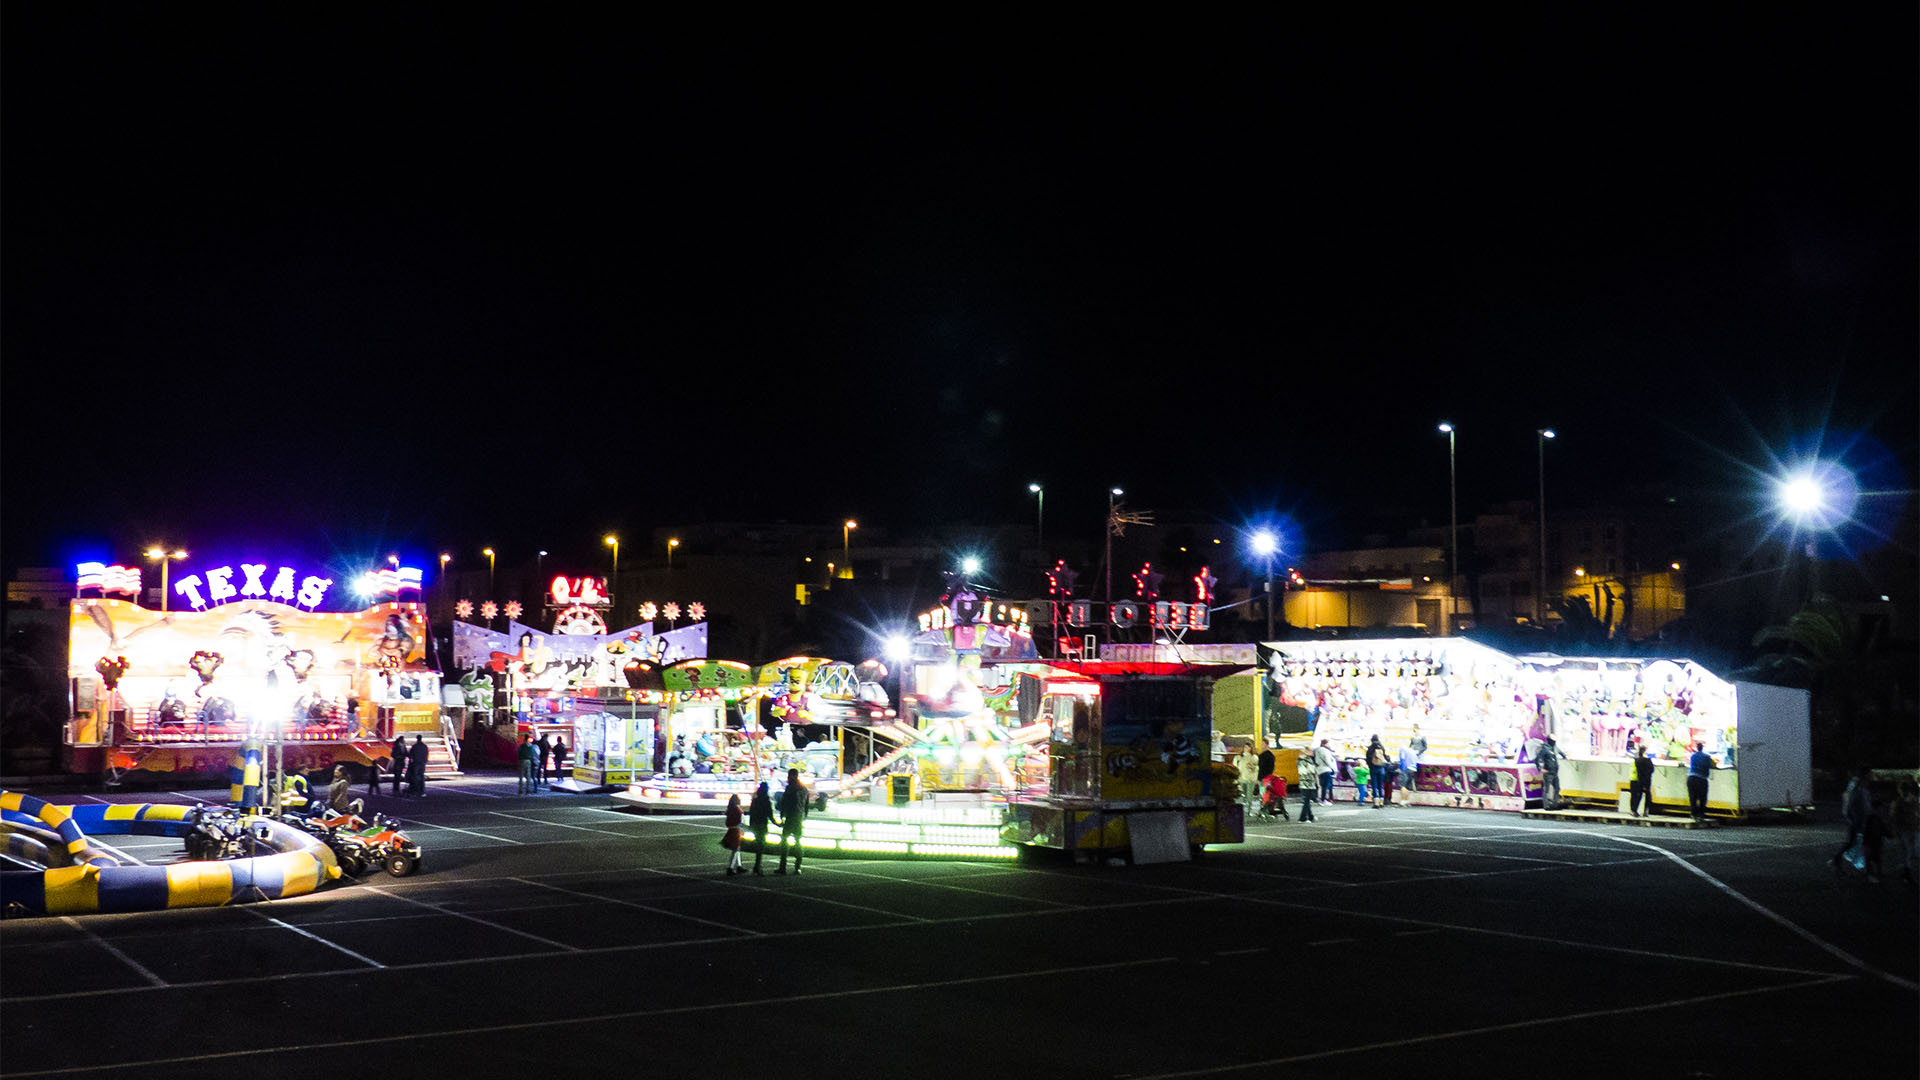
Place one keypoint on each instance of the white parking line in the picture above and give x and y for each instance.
(473, 918)
(110, 947)
(642, 907)
(312, 936)
(1271, 1063)
(724, 1007)
(449, 828)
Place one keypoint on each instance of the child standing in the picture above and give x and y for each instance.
(1361, 777)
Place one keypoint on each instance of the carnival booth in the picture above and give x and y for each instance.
(177, 690)
(725, 728)
(1483, 714)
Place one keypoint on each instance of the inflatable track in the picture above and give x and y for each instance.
(97, 882)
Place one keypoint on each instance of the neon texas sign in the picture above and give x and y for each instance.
(218, 586)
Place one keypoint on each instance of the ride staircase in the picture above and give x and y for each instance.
(443, 753)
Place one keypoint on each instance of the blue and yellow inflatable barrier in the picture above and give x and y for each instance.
(95, 881)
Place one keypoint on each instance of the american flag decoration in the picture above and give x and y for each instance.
(464, 609)
(696, 611)
(389, 580)
(109, 579)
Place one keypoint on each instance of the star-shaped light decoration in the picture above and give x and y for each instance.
(464, 609)
(648, 611)
(488, 610)
(513, 609)
(671, 611)
(696, 611)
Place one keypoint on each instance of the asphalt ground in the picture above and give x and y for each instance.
(555, 932)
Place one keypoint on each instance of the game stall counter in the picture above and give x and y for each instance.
(1484, 715)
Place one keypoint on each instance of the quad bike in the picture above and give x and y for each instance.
(218, 833)
(379, 843)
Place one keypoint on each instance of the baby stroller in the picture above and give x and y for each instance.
(1273, 799)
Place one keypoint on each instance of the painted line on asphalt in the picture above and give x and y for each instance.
(942, 885)
(473, 918)
(1329, 941)
(641, 907)
(558, 824)
(801, 895)
(449, 828)
(1517, 1025)
(369, 961)
(633, 1014)
(1824, 945)
(1240, 952)
(138, 967)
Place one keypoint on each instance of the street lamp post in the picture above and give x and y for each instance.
(166, 562)
(846, 551)
(613, 579)
(1540, 598)
(1453, 533)
(1112, 494)
(1040, 521)
(1264, 545)
(672, 542)
(540, 569)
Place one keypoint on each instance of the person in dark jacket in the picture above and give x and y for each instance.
(527, 761)
(398, 761)
(1640, 789)
(373, 777)
(793, 819)
(1548, 758)
(417, 767)
(760, 816)
(559, 758)
(1699, 774)
(542, 757)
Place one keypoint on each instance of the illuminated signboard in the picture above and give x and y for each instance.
(109, 579)
(217, 586)
(567, 592)
(388, 581)
(1163, 614)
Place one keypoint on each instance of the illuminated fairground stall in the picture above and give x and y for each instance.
(252, 652)
(599, 692)
(1484, 713)
(725, 728)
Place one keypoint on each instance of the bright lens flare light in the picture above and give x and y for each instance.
(970, 564)
(1802, 495)
(1265, 543)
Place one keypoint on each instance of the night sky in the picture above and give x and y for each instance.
(359, 280)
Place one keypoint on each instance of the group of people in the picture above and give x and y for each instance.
(536, 758)
(1377, 774)
(408, 763)
(1869, 826)
(792, 818)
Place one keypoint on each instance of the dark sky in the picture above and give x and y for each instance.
(362, 280)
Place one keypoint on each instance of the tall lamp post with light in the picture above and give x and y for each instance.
(167, 558)
(1265, 545)
(1453, 533)
(1040, 520)
(613, 580)
(1816, 498)
(672, 542)
(846, 547)
(1112, 494)
(1540, 599)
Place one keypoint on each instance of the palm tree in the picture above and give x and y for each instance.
(1820, 647)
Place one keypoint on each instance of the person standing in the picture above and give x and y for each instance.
(398, 762)
(1409, 767)
(1309, 774)
(1640, 789)
(1856, 805)
(1266, 763)
(1548, 758)
(1323, 765)
(373, 776)
(559, 758)
(542, 757)
(1699, 772)
(1418, 742)
(731, 838)
(760, 818)
(1361, 778)
(1247, 768)
(339, 790)
(417, 767)
(793, 819)
(1377, 769)
(526, 757)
